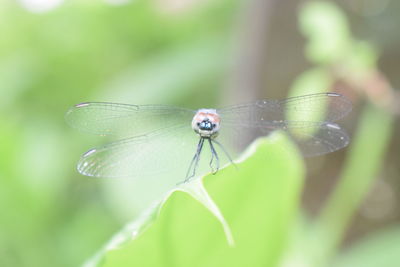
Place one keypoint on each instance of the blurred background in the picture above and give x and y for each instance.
(190, 53)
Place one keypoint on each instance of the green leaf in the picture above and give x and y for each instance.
(312, 81)
(380, 249)
(327, 28)
(259, 200)
(360, 62)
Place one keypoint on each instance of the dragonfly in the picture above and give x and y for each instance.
(160, 140)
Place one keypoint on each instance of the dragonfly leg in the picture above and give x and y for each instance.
(195, 161)
(225, 152)
(214, 155)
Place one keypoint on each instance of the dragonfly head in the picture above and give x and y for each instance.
(206, 123)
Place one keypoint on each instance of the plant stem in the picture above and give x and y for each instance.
(361, 168)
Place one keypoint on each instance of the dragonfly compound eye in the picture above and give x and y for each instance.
(206, 125)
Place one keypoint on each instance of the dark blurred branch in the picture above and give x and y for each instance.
(246, 80)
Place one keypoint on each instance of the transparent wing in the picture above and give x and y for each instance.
(327, 107)
(155, 153)
(125, 120)
(312, 138)
(308, 120)
(165, 154)
(320, 139)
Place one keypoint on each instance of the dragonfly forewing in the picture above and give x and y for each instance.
(125, 120)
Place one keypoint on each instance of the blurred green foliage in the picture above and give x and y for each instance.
(377, 249)
(146, 52)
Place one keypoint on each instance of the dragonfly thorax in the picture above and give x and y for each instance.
(206, 123)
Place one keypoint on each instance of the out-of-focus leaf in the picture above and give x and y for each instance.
(258, 200)
(364, 56)
(381, 249)
(326, 27)
(313, 81)
(359, 63)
